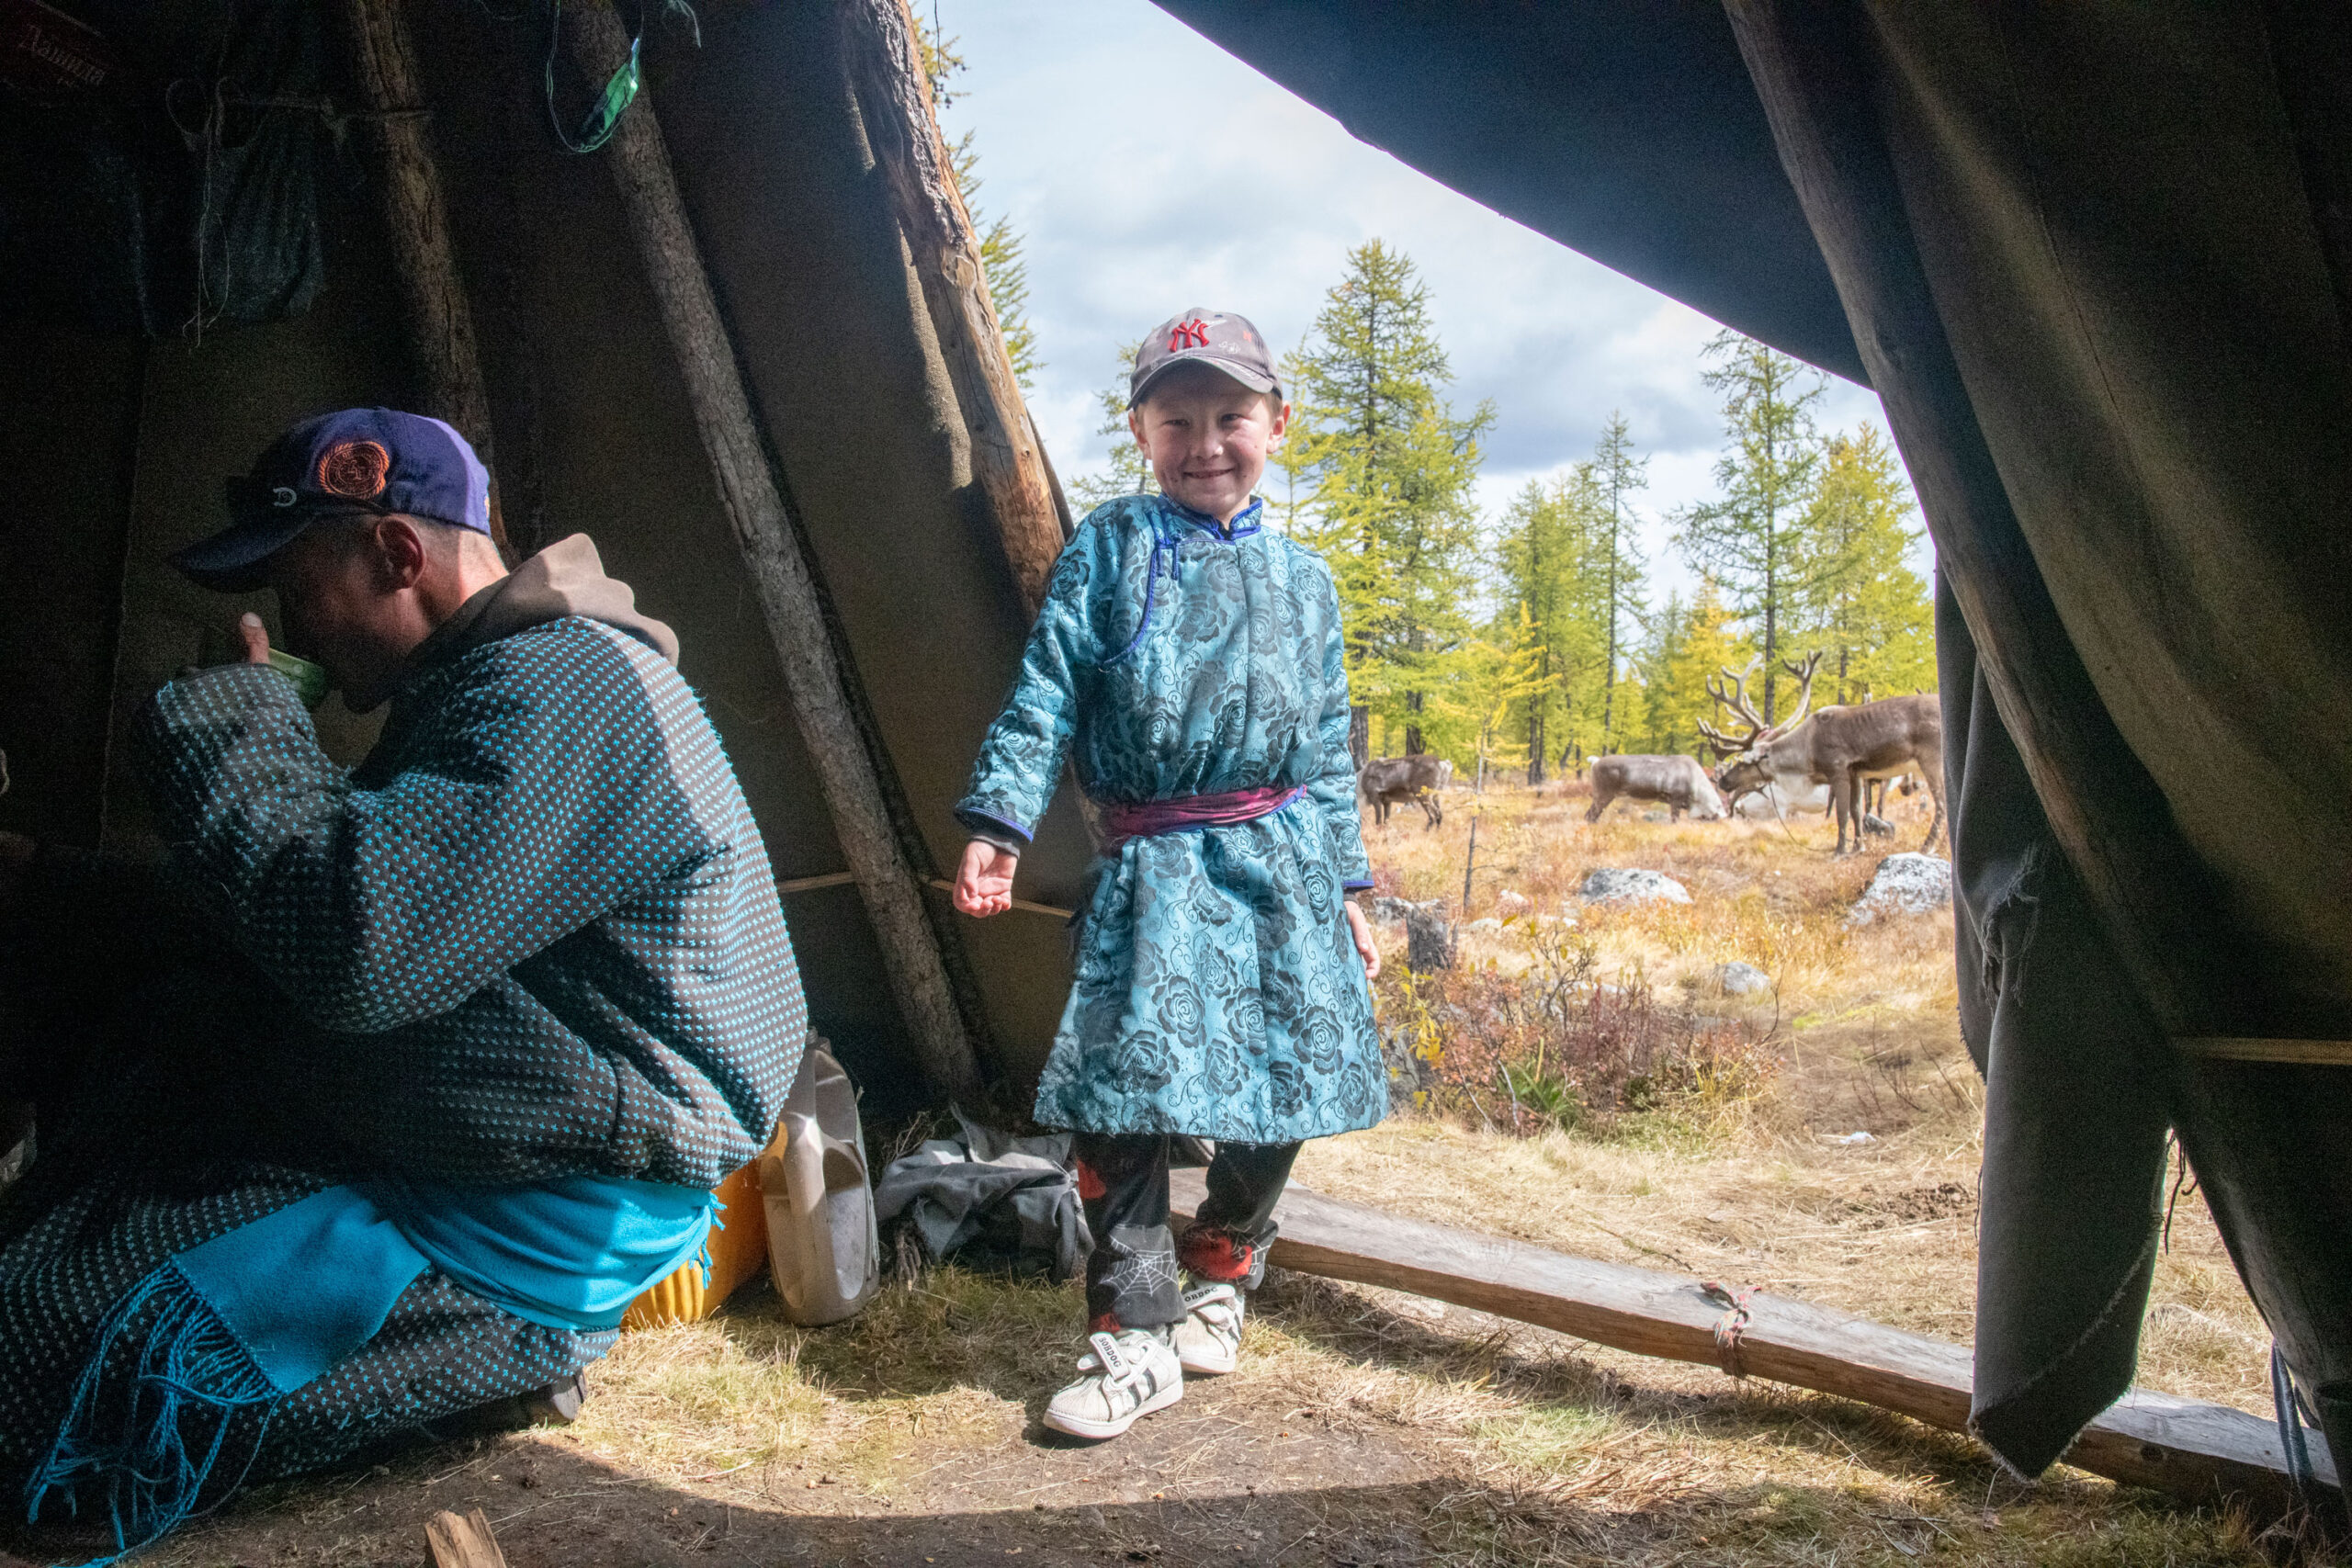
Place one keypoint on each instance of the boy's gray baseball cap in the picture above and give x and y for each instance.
(1216, 338)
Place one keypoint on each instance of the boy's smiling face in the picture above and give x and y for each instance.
(1206, 437)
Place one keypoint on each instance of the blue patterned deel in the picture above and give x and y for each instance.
(1218, 990)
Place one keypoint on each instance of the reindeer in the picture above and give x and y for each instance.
(1838, 746)
(1386, 781)
(1678, 783)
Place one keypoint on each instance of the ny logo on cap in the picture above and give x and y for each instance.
(1193, 334)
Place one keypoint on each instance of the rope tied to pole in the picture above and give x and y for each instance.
(1732, 1327)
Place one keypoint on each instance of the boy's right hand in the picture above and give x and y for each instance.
(984, 883)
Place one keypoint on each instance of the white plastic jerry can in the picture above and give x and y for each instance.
(823, 1251)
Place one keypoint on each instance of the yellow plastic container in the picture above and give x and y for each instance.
(737, 1253)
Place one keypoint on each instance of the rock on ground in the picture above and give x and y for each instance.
(1904, 884)
(1611, 883)
(1509, 902)
(1737, 979)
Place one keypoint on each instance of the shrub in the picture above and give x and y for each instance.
(1557, 1046)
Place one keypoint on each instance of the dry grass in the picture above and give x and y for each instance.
(1763, 892)
(1464, 1439)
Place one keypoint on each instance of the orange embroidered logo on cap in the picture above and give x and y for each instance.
(354, 469)
(1193, 334)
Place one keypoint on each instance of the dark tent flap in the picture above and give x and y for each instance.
(2084, 265)
(2095, 259)
(1626, 131)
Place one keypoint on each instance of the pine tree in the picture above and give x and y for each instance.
(1866, 609)
(1617, 474)
(1389, 469)
(1754, 541)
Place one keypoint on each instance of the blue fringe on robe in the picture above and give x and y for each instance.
(248, 1318)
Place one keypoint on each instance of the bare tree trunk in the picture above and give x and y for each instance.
(1008, 463)
(780, 574)
(1360, 735)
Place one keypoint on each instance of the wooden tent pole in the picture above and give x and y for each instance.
(780, 575)
(416, 221)
(1008, 462)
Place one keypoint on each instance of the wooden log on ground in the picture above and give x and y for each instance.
(462, 1541)
(439, 317)
(780, 574)
(1008, 463)
(2200, 1451)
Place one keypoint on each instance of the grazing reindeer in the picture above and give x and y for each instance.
(1839, 747)
(1385, 781)
(1678, 783)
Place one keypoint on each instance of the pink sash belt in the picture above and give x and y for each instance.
(1152, 817)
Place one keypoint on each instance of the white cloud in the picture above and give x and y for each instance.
(1149, 170)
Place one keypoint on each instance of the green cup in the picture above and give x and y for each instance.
(310, 681)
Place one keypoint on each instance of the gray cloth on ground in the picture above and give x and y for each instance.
(1017, 1196)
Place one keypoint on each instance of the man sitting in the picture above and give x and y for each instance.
(384, 1096)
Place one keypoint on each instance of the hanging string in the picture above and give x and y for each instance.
(620, 90)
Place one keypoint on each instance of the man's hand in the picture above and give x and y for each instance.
(984, 883)
(1360, 928)
(256, 637)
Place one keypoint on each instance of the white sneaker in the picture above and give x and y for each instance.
(1127, 1374)
(1209, 1339)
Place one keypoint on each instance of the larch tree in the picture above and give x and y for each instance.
(1533, 557)
(1866, 608)
(1617, 473)
(1389, 469)
(1690, 643)
(1550, 589)
(1481, 684)
(1002, 262)
(1755, 540)
(1126, 472)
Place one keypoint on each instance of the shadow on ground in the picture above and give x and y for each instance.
(552, 1508)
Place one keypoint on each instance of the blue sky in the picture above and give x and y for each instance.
(1149, 171)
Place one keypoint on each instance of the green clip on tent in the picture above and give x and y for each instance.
(2096, 259)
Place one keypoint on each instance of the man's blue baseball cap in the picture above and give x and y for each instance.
(356, 462)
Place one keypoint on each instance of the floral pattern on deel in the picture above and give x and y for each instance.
(1217, 991)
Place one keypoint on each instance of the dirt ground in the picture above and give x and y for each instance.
(1370, 1428)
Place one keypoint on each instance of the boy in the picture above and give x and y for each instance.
(1193, 662)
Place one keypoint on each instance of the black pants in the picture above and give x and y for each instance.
(1131, 1274)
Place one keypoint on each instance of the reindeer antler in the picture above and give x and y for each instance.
(1803, 672)
(1733, 697)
